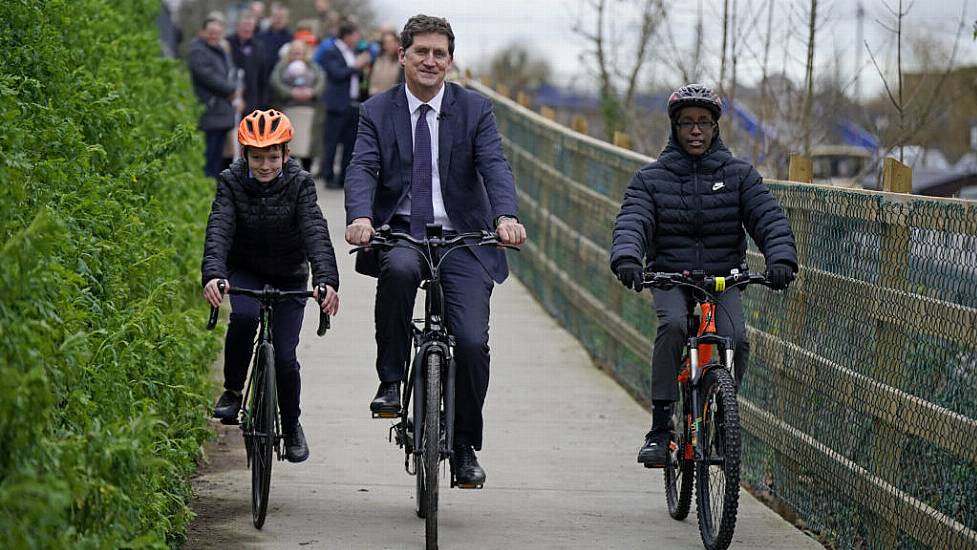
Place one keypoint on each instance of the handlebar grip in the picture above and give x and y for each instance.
(215, 311)
(324, 323)
(212, 322)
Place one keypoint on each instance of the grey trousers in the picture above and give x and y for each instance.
(672, 308)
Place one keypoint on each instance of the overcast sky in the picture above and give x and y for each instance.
(485, 26)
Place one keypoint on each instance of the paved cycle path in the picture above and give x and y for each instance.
(560, 444)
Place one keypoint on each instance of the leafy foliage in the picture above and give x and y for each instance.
(103, 363)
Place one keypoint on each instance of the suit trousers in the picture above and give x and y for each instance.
(672, 309)
(340, 129)
(467, 290)
(287, 318)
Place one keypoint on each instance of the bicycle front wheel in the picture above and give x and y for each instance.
(718, 473)
(431, 446)
(678, 467)
(263, 433)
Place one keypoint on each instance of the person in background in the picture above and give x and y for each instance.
(328, 19)
(276, 36)
(342, 68)
(298, 83)
(387, 71)
(249, 55)
(211, 72)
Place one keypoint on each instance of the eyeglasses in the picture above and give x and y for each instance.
(700, 124)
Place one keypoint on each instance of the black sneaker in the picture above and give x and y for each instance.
(227, 405)
(654, 453)
(387, 399)
(296, 448)
(468, 473)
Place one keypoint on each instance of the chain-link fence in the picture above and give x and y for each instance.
(860, 408)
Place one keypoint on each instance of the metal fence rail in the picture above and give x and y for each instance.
(860, 405)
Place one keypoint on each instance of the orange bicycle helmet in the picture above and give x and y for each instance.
(264, 129)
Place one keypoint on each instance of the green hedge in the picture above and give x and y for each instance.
(103, 356)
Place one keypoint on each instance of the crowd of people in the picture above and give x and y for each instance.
(317, 73)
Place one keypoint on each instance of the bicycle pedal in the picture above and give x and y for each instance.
(230, 421)
(468, 485)
(652, 466)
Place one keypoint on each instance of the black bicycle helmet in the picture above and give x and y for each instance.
(694, 95)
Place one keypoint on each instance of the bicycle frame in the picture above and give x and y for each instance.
(430, 335)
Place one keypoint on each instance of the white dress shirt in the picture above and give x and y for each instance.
(414, 104)
(350, 57)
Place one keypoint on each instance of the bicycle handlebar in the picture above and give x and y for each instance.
(271, 295)
(386, 238)
(710, 284)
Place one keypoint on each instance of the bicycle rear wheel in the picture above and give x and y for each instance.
(679, 468)
(263, 433)
(718, 475)
(431, 446)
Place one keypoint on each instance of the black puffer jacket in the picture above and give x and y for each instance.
(687, 213)
(271, 230)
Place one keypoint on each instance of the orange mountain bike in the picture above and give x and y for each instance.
(705, 436)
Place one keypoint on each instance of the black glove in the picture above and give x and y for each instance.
(779, 275)
(631, 274)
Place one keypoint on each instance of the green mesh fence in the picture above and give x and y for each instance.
(860, 406)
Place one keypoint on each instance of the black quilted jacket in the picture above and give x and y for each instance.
(273, 230)
(686, 213)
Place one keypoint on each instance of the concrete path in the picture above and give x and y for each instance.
(560, 444)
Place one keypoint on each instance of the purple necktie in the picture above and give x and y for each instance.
(421, 205)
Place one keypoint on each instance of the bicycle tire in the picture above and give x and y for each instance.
(431, 445)
(265, 403)
(678, 469)
(718, 475)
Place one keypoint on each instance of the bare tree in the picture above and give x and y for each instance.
(618, 80)
(518, 67)
(809, 76)
(914, 116)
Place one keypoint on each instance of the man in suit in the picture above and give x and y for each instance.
(342, 67)
(210, 70)
(428, 151)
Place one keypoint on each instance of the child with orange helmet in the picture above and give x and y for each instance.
(265, 227)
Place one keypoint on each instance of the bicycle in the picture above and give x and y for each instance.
(259, 419)
(705, 438)
(427, 438)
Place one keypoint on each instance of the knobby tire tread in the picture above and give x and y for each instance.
(717, 533)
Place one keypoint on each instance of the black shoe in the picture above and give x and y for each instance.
(464, 463)
(228, 405)
(296, 449)
(387, 399)
(654, 453)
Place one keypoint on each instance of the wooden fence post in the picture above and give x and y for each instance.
(889, 361)
(896, 176)
(800, 169)
(621, 139)
(547, 112)
(522, 98)
(502, 89)
(580, 124)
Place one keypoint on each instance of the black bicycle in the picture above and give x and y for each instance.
(705, 423)
(259, 419)
(427, 432)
